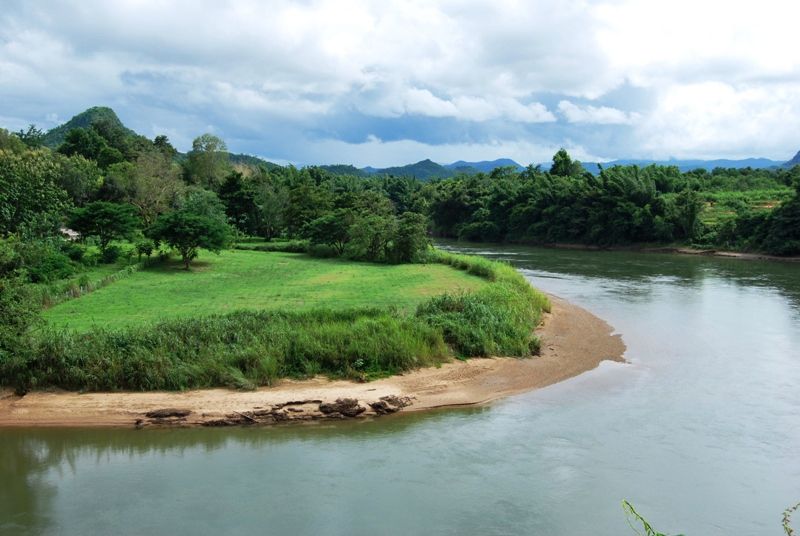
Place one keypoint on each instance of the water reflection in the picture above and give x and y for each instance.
(635, 272)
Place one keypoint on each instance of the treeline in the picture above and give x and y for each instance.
(622, 205)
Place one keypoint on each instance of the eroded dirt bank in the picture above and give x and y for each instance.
(573, 341)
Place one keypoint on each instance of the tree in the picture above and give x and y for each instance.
(33, 137)
(187, 232)
(79, 176)
(207, 162)
(411, 238)
(30, 199)
(688, 207)
(106, 221)
(83, 141)
(154, 186)
(271, 202)
(239, 201)
(332, 229)
(19, 311)
(564, 166)
(163, 145)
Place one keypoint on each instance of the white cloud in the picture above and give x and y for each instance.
(292, 66)
(599, 115)
(714, 119)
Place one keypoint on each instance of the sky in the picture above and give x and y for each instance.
(386, 82)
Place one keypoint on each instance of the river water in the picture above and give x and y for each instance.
(700, 431)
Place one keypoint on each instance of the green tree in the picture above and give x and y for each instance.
(208, 162)
(154, 185)
(79, 177)
(18, 312)
(688, 207)
(332, 229)
(564, 166)
(240, 204)
(188, 232)
(33, 137)
(411, 238)
(30, 199)
(83, 141)
(163, 145)
(106, 221)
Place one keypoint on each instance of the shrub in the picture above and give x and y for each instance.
(110, 254)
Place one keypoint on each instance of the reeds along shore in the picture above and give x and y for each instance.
(246, 349)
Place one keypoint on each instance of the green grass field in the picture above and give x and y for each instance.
(237, 280)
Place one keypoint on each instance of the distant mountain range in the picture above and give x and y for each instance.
(425, 169)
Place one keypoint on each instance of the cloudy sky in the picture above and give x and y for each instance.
(391, 82)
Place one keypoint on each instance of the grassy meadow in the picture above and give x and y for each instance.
(253, 280)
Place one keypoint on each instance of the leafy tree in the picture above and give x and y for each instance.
(19, 312)
(207, 163)
(564, 166)
(783, 235)
(332, 229)
(163, 145)
(30, 199)
(79, 177)
(153, 186)
(411, 238)
(370, 237)
(203, 203)
(83, 141)
(187, 232)
(11, 142)
(106, 221)
(33, 137)
(271, 202)
(240, 204)
(688, 207)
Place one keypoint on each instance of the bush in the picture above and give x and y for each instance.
(145, 247)
(110, 254)
(73, 251)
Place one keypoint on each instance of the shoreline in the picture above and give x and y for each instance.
(573, 341)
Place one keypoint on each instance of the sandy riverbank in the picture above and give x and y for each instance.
(573, 341)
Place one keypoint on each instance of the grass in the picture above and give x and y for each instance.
(252, 280)
(248, 348)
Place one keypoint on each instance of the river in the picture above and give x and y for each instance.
(700, 430)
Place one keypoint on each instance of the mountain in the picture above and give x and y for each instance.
(250, 160)
(347, 169)
(485, 166)
(55, 137)
(683, 165)
(793, 162)
(423, 170)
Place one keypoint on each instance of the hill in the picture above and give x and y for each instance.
(85, 119)
(485, 166)
(793, 162)
(423, 170)
(683, 165)
(250, 160)
(347, 169)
